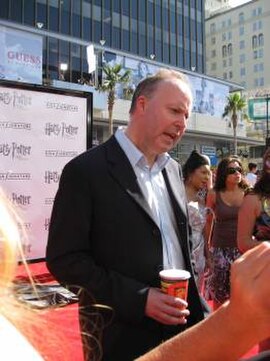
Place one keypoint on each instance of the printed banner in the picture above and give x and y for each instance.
(209, 97)
(39, 133)
(20, 56)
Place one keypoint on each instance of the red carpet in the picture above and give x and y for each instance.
(65, 319)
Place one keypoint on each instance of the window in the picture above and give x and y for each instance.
(242, 44)
(229, 35)
(241, 18)
(229, 22)
(213, 40)
(224, 51)
(255, 54)
(241, 30)
(259, 82)
(223, 36)
(29, 13)
(259, 11)
(254, 26)
(224, 75)
(212, 28)
(254, 41)
(230, 74)
(242, 71)
(230, 49)
(261, 67)
(223, 24)
(255, 68)
(213, 53)
(213, 66)
(260, 40)
(260, 54)
(242, 58)
(224, 63)
(230, 61)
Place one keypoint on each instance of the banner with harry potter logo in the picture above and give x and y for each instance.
(39, 133)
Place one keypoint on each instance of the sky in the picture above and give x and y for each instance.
(237, 2)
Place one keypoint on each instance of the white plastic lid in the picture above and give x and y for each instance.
(174, 274)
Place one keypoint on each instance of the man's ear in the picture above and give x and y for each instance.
(141, 103)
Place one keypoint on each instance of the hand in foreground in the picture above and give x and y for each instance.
(250, 288)
(166, 309)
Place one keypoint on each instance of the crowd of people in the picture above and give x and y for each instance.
(124, 211)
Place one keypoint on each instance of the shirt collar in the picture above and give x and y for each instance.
(135, 156)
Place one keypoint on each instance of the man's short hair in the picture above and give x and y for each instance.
(252, 166)
(148, 85)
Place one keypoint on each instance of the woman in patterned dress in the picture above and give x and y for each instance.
(225, 200)
(197, 174)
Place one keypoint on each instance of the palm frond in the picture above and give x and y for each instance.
(113, 75)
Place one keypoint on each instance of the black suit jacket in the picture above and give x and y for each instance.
(103, 239)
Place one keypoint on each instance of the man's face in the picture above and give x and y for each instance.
(163, 117)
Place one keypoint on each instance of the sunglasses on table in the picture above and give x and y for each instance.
(232, 170)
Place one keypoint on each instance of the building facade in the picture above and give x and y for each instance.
(171, 30)
(215, 6)
(238, 44)
(238, 48)
(142, 36)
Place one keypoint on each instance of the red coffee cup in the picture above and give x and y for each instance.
(174, 282)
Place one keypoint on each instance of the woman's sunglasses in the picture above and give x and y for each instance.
(232, 170)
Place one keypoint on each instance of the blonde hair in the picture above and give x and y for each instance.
(31, 322)
(28, 321)
(10, 243)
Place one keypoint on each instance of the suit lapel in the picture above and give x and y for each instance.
(122, 171)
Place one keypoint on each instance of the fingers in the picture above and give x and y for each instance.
(166, 309)
(254, 261)
(250, 279)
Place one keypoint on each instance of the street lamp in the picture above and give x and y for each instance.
(63, 69)
(100, 61)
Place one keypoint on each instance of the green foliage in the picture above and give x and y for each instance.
(235, 107)
(113, 75)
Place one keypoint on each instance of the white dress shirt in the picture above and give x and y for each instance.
(154, 189)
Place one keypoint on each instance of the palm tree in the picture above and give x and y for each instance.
(113, 76)
(235, 107)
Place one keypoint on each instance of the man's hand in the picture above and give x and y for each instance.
(250, 276)
(166, 309)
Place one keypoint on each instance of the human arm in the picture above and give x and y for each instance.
(248, 212)
(210, 206)
(229, 332)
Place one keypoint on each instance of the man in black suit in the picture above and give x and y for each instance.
(119, 217)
